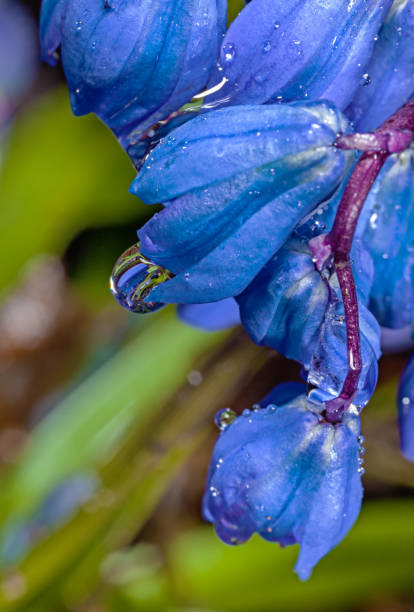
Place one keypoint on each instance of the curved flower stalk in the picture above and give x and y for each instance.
(390, 72)
(133, 62)
(298, 311)
(285, 473)
(285, 50)
(235, 183)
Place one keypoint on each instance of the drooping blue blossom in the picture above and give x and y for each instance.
(293, 308)
(386, 227)
(213, 316)
(244, 189)
(285, 473)
(390, 73)
(285, 50)
(133, 63)
(235, 183)
(406, 410)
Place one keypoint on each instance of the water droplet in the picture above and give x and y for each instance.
(228, 53)
(224, 418)
(214, 492)
(133, 278)
(361, 471)
(267, 46)
(366, 79)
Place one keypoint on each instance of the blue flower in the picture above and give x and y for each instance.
(390, 72)
(213, 316)
(298, 311)
(133, 63)
(285, 50)
(406, 410)
(286, 474)
(386, 228)
(235, 183)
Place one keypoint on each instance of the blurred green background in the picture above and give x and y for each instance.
(106, 419)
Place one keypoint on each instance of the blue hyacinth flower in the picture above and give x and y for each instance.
(235, 183)
(285, 50)
(386, 228)
(211, 317)
(133, 63)
(406, 410)
(286, 474)
(390, 72)
(299, 312)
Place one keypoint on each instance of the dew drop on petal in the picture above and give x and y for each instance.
(228, 53)
(224, 418)
(133, 278)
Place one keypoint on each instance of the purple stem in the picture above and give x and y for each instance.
(393, 133)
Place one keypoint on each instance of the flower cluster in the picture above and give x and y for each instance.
(282, 152)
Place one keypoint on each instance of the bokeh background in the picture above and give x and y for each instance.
(106, 419)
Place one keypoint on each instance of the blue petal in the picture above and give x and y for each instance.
(51, 19)
(406, 410)
(386, 227)
(288, 475)
(288, 50)
(235, 183)
(293, 309)
(134, 63)
(214, 316)
(390, 71)
(283, 393)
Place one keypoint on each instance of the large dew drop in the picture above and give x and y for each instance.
(133, 278)
(224, 418)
